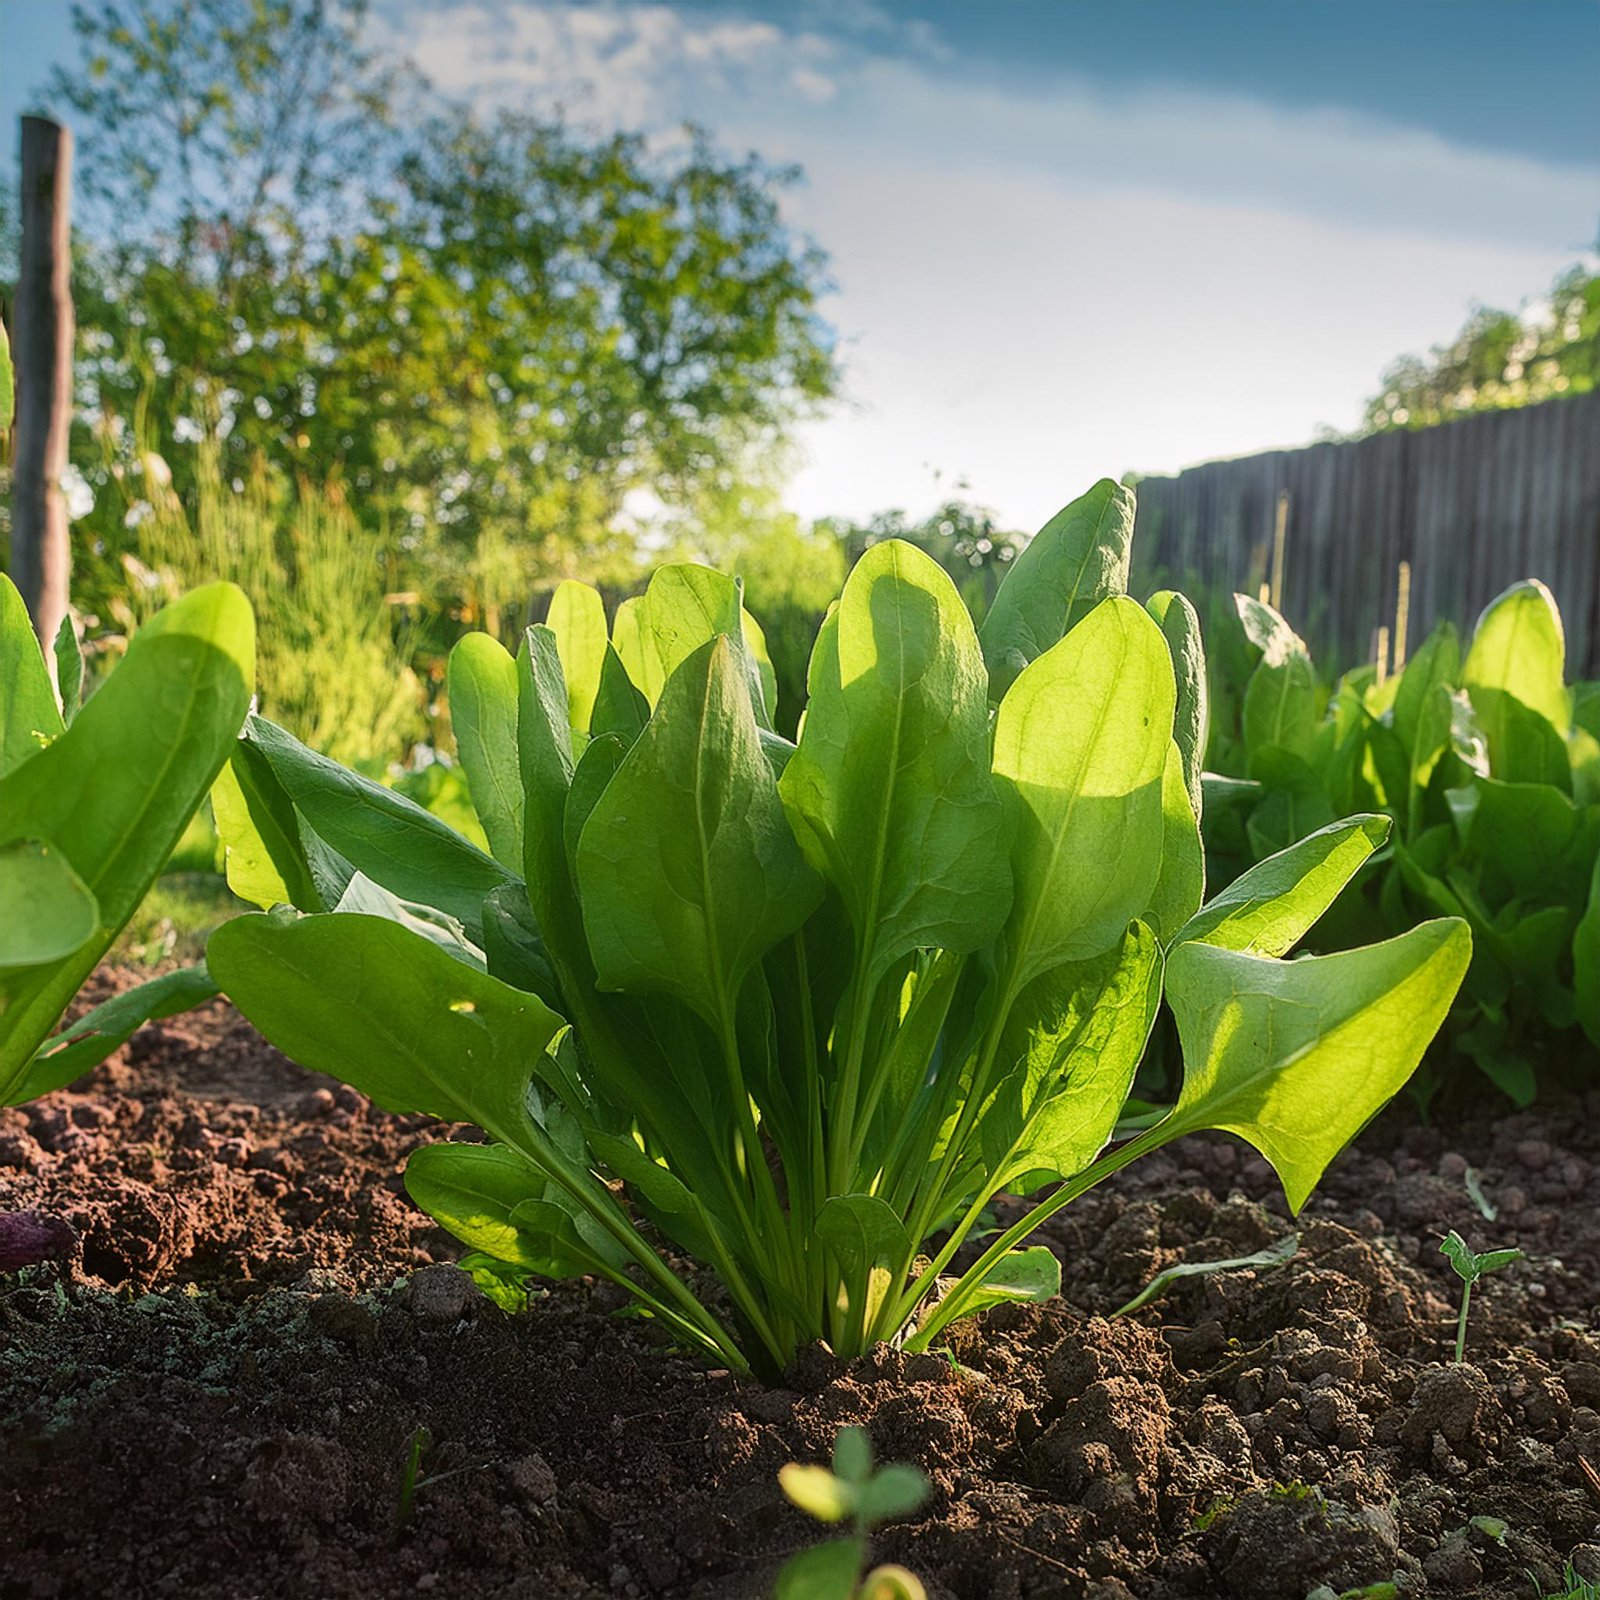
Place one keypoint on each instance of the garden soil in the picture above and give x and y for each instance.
(246, 1333)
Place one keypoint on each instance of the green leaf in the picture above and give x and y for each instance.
(1586, 960)
(862, 1231)
(1280, 709)
(1080, 753)
(29, 716)
(46, 912)
(482, 685)
(1268, 632)
(619, 708)
(69, 668)
(494, 1200)
(824, 1572)
(1075, 1034)
(818, 1492)
(852, 1455)
(87, 1042)
(1180, 626)
(1518, 650)
(1077, 559)
(687, 870)
(889, 791)
(114, 792)
(393, 840)
(577, 618)
(270, 857)
(892, 1491)
(1273, 1256)
(1295, 1056)
(1267, 910)
(390, 1013)
(1182, 883)
(1525, 835)
(1032, 1275)
(8, 383)
(513, 946)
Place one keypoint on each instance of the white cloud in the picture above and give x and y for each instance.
(1040, 286)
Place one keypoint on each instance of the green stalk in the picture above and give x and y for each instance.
(1461, 1321)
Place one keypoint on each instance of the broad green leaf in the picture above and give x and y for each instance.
(577, 618)
(687, 870)
(482, 686)
(513, 946)
(594, 771)
(87, 1042)
(755, 641)
(1182, 884)
(1295, 1056)
(1519, 649)
(1075, 1036)
(1586, 960)
(1077, 559)
(393, 840)
(1267, 910)
(270, 857)
(494, 1200)
(825, 1571)
(1280, 709)
(819, 1492)
(546, 759)
(1268, 631)
(1436, 665)
(889, 791)
(1080, 753)
(362, 897)
(1032, 1275)
(1524, 834)
(114, 792)
(894, 1490)
(1180, 626)
(46, 912)
(635, 649)
(390, 1013)
(8, 383)
(863, 1231)
(29, 716)
(619, 708)
(69, 668)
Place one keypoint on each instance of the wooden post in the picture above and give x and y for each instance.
(41, 556)
(1280, 532)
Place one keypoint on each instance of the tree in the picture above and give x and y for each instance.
(489, 331)
(963, 538)
(1500, 359)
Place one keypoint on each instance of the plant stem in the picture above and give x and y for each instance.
(1461, 1322)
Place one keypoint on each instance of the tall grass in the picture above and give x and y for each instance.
(333, 656)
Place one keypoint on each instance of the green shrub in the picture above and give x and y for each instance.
(796, 1013)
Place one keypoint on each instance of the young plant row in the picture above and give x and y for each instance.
(1487, 765)
(757, 1030)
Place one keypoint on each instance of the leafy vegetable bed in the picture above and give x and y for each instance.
(244, 1429)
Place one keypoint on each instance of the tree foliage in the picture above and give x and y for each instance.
(1500, 359)
(488, 328)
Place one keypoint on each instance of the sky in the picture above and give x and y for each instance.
(1072, 238)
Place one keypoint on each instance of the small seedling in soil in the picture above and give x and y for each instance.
(1469, 1268)
(852, 1491)
(420, 1440)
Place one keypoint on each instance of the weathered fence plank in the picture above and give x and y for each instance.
(1473, 505)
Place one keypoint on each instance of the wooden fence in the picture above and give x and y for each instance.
(1472, 505)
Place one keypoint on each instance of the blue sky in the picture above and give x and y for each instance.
(1073, 238)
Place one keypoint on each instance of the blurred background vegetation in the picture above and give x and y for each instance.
(398, 365)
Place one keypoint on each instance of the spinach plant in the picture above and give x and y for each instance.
(855, 1492)
(1488, 764)
(757, 1030)
(90, 810)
